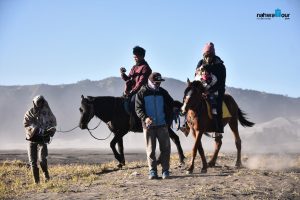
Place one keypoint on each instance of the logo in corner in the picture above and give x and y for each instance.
(277, 14)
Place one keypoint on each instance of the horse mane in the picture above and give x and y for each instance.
(107, 106)
(177, 104)
(197, 84)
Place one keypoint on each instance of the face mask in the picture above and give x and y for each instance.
(154, 85)
(157, 85)
(208, 59)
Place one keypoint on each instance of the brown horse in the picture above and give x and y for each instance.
(198, 122)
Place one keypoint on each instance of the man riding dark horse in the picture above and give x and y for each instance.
(214, 65)
(136, 78)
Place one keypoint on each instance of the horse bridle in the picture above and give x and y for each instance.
(187, 98)
(91, 115)
(91, 112)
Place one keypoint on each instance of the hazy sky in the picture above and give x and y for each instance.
(64, 41)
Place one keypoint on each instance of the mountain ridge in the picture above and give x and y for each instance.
(64, 100)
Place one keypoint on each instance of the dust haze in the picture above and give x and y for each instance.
(277, 118)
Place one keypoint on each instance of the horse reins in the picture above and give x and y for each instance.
(96, 137)
(89, 130)
(60, 131)
(176, 118)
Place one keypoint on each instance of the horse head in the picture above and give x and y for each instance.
(87, 111)
(192, 95)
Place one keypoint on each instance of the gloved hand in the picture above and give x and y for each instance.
(35, 131)
(122, 70)
(50, 131)
(39, 131)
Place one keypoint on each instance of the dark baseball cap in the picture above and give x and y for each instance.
(156, 77)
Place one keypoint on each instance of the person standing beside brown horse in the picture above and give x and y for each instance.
(154, 106)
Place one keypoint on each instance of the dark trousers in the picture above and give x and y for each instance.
(132, 103)
(135, 122)
(219, 100)
(38, 151)
(128, 86)
(216, 102)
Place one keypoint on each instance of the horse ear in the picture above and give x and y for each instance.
(188, 81)
(82, 97)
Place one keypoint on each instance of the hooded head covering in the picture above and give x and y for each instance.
(38, 100)
(37, 118)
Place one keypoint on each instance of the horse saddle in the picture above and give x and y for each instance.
(225, 111)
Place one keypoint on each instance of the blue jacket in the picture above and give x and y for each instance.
(156, 104)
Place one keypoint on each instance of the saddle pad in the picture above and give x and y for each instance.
(226, 113)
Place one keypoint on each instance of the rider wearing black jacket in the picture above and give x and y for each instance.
(213, 64)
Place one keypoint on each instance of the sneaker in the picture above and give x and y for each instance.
(153, 175)
(166, 174)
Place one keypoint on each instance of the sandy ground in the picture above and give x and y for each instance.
(73, 156)
(264, 176)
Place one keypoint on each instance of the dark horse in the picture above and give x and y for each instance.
(111, 110)
(199, 122)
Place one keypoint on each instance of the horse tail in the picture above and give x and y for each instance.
(243, 120)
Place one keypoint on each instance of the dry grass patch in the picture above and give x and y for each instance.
(16, 178)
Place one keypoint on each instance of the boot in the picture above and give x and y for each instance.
(132, 122)
(216, 123)
(126, 105)
(45, 171)
(36, 175)
(220, 127)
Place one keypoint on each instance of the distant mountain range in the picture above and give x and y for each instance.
(271, 113)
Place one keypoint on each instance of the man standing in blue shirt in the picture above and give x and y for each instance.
(153, 105)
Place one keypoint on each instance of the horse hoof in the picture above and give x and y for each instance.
(211, 164)
(238, 165)
(188, 172)
(180, 165)
(203, 171)
(120, 165)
